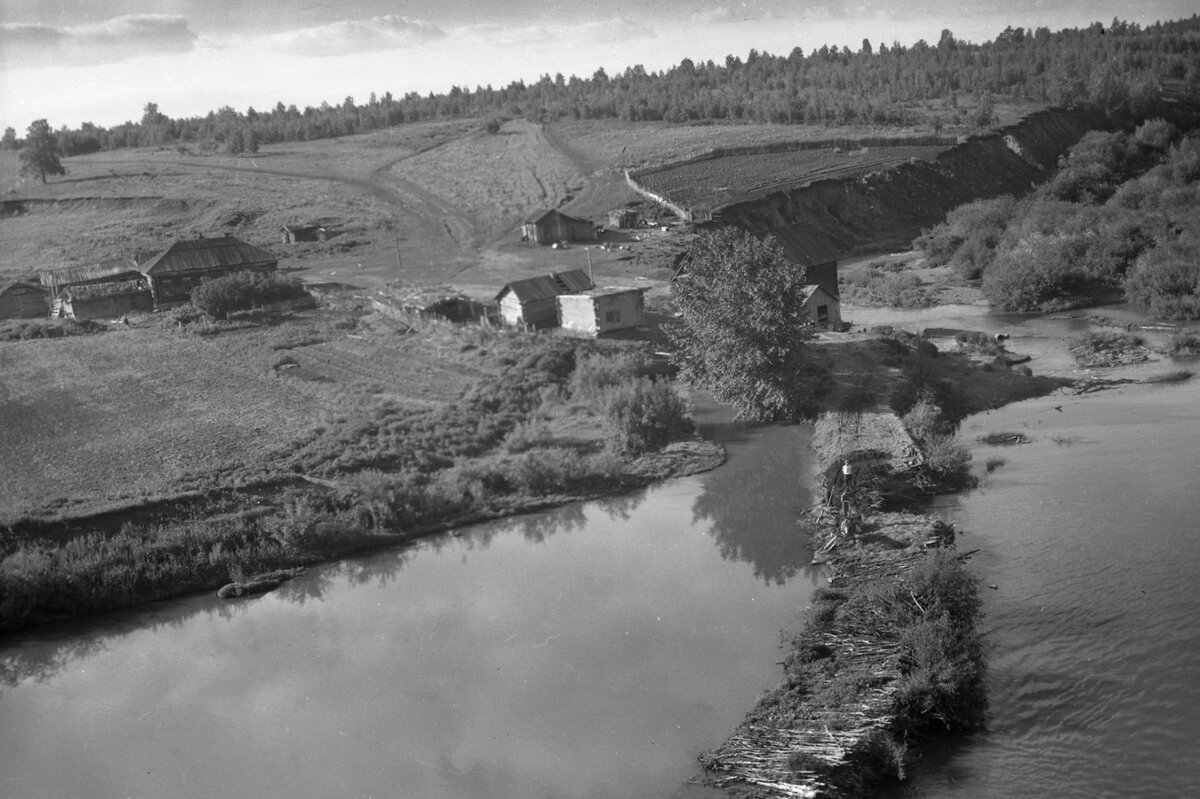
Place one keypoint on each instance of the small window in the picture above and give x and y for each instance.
(612, 316)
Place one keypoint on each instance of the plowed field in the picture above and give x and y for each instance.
(715, 182)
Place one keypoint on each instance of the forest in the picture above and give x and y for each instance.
(1121, 67)
(1118, 216)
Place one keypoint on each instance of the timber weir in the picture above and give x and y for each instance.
(890, 649)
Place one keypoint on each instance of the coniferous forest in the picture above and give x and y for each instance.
(1121, 67)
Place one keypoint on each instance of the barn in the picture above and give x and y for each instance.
(597, 311)
(533, 301)
(174, 272)
(105, 300)
(22, 300)
(290, 234)
(822, 308)
(549, 227)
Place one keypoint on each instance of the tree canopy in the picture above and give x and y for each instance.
(39, 154)
(743, 331)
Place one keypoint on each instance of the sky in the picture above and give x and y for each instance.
(102, 61)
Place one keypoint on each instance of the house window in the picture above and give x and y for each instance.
(612, 316)
(822, 313)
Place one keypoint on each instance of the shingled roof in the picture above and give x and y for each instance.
(545, 287)
(198, 255)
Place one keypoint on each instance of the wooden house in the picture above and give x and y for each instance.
(822, 308)
(551, 227)
(20, 299)
(105, 300)
(174, 272)
(623, 218)
(597, 311)
(533, 301)
(117, 270)
(290, 234)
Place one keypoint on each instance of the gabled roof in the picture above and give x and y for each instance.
(812, 289)
(545, 287)
(87, 273)
(197, 255)
(541, 213)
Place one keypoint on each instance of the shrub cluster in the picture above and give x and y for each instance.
(242, 291)
(1121, 213)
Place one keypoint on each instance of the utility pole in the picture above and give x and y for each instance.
(588, 250)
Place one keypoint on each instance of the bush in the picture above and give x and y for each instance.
(643, 415)
(242, 291)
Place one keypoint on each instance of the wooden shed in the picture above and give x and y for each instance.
(533, 302)
(106, 300)
(174, 272)
(623, 218)
(117, 270)
(22, 300)
(597, 311)
(549, 227)
(822, 308)
(290, 234)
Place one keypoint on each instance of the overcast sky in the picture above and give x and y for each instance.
(71, 61)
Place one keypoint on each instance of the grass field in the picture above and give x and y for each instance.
(133, 414)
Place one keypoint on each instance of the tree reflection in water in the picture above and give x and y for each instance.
(753, 502)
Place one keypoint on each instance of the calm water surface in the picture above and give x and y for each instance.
(590, 652)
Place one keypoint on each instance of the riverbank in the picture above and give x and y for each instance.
(891, 648)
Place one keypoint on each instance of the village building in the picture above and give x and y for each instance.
(533, 302)
(116, 270)
(174, 272)
(623, 218)
(291, 234)
(598, 311)
(104, 300)
(822, 308)
(551, 227)
(22, 300)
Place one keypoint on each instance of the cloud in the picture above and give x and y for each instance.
(117, 39)
(390, 32)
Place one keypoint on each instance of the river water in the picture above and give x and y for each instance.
(596, 650)
(593, 651)
(1088, 542)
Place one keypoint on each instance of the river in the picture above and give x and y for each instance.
(596, 650)
(1088, 542)
(592, 651)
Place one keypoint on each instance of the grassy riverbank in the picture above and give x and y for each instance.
(538, 421)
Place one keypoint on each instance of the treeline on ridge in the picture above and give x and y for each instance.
(1122, 68)
(1120, 215)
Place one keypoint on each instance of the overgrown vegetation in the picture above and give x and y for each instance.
(243, 291)
(877, 285)
(388, 471)
(1119, 215)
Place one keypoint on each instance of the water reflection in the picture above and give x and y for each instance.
(752, 504)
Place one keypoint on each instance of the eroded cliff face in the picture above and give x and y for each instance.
(887, 210)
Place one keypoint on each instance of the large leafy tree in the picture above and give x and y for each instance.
(744, 331)
(39, 154)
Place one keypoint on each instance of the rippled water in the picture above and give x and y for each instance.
(1090, 539)
(593, 651)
